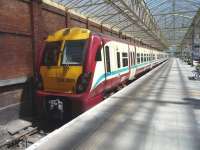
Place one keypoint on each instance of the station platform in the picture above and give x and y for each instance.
(159, 111)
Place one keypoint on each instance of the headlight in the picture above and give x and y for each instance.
(82, 82)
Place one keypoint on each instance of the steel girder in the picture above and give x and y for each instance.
(121, 16)
(139, 15)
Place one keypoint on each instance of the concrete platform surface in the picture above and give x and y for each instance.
(160, 111)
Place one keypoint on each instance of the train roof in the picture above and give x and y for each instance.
(76, 33)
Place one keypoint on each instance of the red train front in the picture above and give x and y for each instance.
(66, 72)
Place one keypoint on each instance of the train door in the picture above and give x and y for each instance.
(132, 62)
(108, 73)
(111, 63)
(124, 70)
(117, 65)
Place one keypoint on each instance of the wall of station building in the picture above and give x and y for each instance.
(24, 24)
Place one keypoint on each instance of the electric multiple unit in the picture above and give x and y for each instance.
(78, 66)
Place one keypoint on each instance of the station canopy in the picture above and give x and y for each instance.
(159, 23)
(175, 18)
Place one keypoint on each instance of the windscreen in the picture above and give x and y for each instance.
(73, 52)
(51, 53)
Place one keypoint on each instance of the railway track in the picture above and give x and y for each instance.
(19, 136)
(23, 137)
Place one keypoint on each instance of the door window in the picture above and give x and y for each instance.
(118, 60)
(107, 59)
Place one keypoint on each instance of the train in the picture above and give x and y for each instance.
(77, 67)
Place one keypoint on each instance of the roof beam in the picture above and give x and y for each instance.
(87, 5)
(126, 27)
(193, 3)
(172, 13)
(105, 15)
(176, 28)
(118, 23)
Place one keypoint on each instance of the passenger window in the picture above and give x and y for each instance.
(107, 59)
(142, 58)
(138, 58)
(124, 55)
(125, 59)
(118, 60)
(147, 57)
(125, 62)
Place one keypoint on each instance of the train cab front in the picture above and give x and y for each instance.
(62, 79)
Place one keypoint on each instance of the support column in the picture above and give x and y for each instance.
(101, 28)
(111, 32)
(67, 19)
(87, 23)
(36, 32)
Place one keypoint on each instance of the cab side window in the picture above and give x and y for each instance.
(98, 54)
